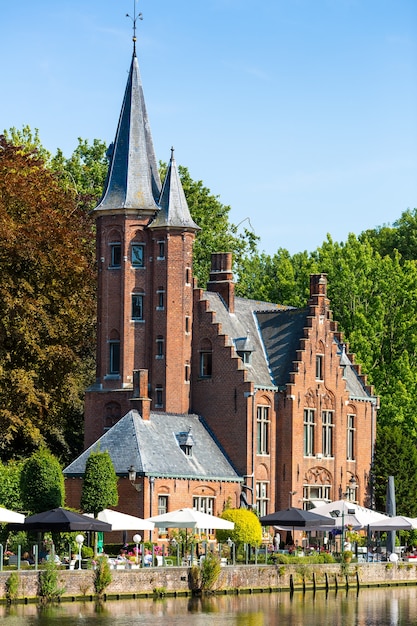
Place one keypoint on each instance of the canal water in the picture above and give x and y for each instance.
(370, 607)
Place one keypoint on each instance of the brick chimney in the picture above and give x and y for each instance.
(221, 278)
(318, 285)
(140, 400)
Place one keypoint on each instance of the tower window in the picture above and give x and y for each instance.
(161, 299)
(351, 437)
(115, 255)
(159, 396)
(114, 357)
(137, 306)
(138, 255)
(187, 373)
(187, 324)
(159, 347)
(161, 250)
(188, 276)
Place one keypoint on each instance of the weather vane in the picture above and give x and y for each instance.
(136, 16)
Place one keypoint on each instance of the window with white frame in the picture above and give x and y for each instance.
(137, 306)
(204, 504)
(262, 498)
(351, 437)
(327, 433)
(262, 429)
(309, 428)
(319, 366)
(315, 492)
(162, 504)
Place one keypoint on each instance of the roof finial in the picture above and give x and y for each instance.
(134, 20)
(172, 152)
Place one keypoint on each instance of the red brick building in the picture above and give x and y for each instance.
(210, 398)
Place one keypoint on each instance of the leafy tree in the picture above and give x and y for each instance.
(99, 490)
(247, 528)
(42, 482)
(395, 455)
(47, 308)
(10, 496)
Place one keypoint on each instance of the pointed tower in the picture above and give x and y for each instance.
(144, 255)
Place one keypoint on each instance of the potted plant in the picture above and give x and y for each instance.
(347, 556)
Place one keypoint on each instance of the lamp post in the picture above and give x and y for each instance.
(290, 495)
(137, 539)
(231, 545)
(79, 539)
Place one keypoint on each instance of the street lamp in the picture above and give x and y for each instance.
(137, 539)
(290, 495)
(132, 477)
(80, 540)
(231, 545)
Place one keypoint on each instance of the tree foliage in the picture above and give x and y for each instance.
(99, 489)
(47, 308)
(247, 528)
(10, 497)
(396, 455)
(42, 482)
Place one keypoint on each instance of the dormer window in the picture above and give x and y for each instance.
(244, 348)
(186, 442)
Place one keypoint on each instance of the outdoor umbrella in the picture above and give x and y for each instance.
(10, 517)
(346, 513)
(190, 518)
(122, 521)
(397, 522)
(296, 518)
(61, 520)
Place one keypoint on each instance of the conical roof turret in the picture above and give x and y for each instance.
(174, 211)
(133, 182)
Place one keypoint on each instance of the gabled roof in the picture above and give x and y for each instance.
(133, 181)
(174, 211)
(153, 448)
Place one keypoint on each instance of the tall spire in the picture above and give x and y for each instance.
(174, 211)
(133, 181)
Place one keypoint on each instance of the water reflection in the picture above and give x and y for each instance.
(378, 607)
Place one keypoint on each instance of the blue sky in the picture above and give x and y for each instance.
(299, 114)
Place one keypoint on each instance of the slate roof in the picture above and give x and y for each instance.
(174, 211)
(153, 448)
(133, 180)
(274, 332)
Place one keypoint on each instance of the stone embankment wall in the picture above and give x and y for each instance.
(79, 584)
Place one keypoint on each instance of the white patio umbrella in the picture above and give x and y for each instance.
(190, 518)
(347, 513)
(10, 517)
(122, 521)
(397, 522)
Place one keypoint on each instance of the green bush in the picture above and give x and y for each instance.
(102, 575)
(12, 586)
(49, 589)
